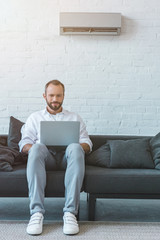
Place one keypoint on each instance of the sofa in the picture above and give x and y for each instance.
(122, 181)
(118, 167)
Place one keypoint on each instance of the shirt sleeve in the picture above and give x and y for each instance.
(28, 133)
(84, 137)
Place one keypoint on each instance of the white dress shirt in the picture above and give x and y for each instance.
(31, 129)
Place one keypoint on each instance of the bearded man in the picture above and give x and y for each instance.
(41, 159)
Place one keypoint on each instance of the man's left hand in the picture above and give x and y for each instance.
(85, 147)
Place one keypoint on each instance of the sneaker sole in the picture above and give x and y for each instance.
(34, 234)
(68, 233)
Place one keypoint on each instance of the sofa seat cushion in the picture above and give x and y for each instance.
(130, 181)
(14, 184)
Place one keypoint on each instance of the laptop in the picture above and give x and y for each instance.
(59, 133)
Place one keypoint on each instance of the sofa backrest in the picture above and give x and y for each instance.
(97, 140)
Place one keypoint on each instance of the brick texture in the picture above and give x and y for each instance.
(112, 82)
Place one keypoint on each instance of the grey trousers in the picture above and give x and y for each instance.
(41, 159)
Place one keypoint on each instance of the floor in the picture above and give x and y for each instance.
(106, 209)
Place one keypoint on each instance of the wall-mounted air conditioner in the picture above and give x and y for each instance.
(90, 23)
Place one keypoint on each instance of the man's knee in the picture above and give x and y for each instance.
(74, 148)
(37, 156)
(38, 149)
(75, 159)
(75, 153)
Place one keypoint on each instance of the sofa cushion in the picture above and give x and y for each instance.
(120, 181)
(131, 153)
(155, 147)
(14, 184)
(14, 135)
(100, 157)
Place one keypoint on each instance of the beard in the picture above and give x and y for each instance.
(54, 107)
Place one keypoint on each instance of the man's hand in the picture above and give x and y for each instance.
(26, 148)
(85, 147)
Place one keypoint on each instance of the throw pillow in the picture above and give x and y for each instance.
(155, 147)
(5, 166)
(14, 135)
(100, 157)
(8, 158)
(134, 153)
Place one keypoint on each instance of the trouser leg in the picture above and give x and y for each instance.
(39, 157)
(75, 167)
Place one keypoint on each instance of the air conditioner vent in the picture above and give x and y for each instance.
(90, 23)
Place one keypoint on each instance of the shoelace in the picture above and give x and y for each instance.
(70, 220)
(35, 220)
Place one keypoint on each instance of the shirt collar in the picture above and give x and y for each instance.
(47, 113)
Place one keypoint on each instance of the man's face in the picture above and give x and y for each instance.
(54, 97)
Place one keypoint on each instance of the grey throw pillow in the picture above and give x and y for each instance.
(8, 158)
(155, 147)
(14, 135)
(100, 157)
(134, 153)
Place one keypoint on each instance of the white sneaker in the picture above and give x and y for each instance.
(35, 224)
(70, 226)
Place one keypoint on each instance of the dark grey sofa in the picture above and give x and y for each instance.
(14, 183)
(99, 182)
(121, 183)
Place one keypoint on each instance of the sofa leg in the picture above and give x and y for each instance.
(87, 197)
(91, 207)
(77, 216)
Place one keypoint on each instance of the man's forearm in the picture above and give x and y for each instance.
(26, 148)
(85, 147)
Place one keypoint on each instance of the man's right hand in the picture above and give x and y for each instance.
(26, 148)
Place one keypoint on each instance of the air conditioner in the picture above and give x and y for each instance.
(90, 23)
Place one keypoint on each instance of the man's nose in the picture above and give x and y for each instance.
(54, 99)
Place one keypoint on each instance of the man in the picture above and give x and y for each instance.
(40, 158)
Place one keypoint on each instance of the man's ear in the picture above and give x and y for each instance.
(44, 95)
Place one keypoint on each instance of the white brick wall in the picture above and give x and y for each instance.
(112, 82)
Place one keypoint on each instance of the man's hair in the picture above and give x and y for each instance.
(54, 82)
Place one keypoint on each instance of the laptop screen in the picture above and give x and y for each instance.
(59, 133)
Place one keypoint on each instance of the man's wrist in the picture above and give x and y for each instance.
(26, 148)
(85, 147)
